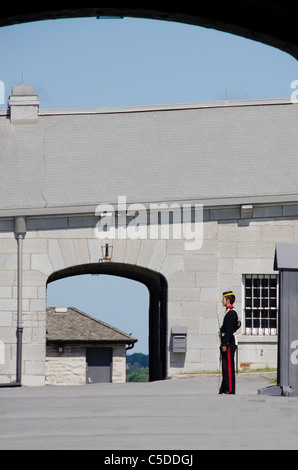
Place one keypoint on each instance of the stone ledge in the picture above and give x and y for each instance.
(257, 339)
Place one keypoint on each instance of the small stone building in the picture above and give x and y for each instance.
(82, 349)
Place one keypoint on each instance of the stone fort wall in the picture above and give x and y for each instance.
(232, 247)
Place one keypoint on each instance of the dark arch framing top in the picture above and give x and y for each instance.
(272, 22)
(158, 291)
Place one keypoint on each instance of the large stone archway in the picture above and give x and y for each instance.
(157, 287)
(272, 22)
(56, 247)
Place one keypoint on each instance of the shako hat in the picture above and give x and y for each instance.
(226, 294)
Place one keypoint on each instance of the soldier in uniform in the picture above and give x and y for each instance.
(228, 345)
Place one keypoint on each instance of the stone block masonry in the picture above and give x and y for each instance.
(69, 367)
(232, 248)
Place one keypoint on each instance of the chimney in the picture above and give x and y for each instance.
(23, 104)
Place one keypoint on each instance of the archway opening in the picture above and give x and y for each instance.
(152, 293)
(118, 302)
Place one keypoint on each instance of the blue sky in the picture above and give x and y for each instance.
(102, 63)
(83, 63)
(119, 302)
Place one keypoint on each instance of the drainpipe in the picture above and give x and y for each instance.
(20, 232)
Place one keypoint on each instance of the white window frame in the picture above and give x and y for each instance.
(260, 331)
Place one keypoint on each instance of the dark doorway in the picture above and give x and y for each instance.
(158, 305)
(99, 365)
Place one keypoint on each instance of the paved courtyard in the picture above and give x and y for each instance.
(180, 414)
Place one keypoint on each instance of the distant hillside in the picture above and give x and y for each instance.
(138, 368)
(138, 359)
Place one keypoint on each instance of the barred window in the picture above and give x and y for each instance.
(260, 304)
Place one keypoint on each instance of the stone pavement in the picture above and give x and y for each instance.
(185, 414)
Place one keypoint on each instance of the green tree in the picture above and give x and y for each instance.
(140, 358)
(140, 375)
(137, 368)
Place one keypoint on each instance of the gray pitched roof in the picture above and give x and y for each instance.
(173, 153)
(77, 326)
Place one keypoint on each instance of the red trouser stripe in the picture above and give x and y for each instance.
(230, 370)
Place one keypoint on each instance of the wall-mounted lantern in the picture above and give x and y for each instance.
(107, 253)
